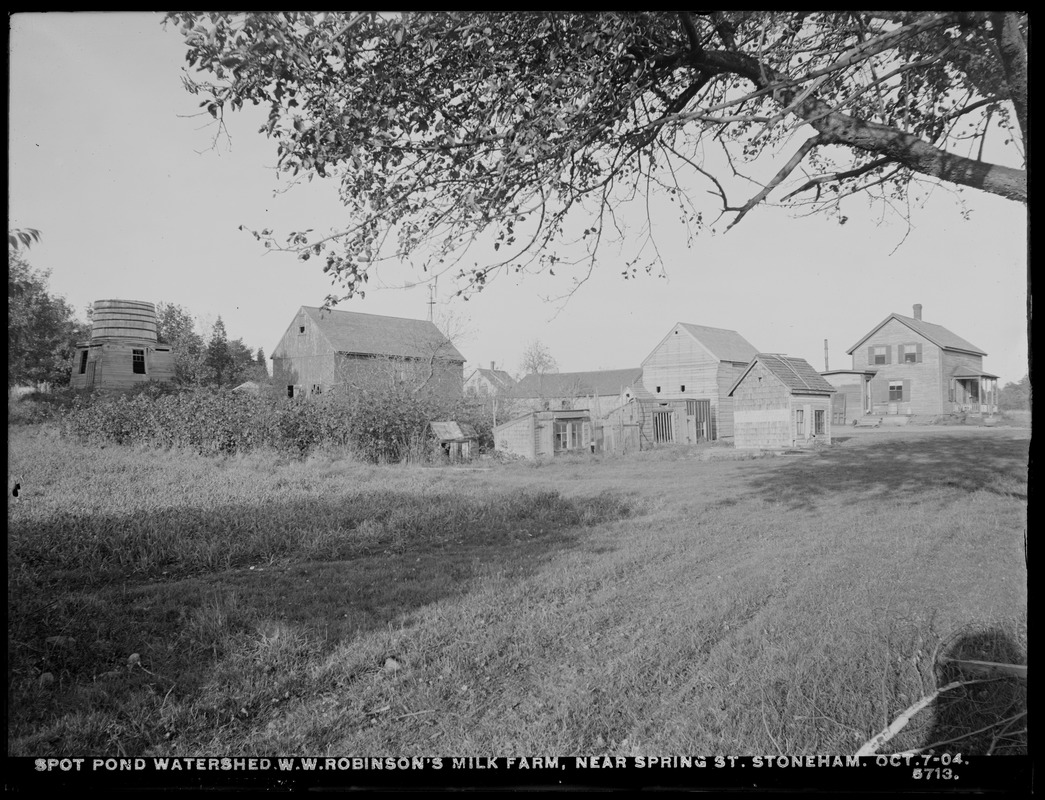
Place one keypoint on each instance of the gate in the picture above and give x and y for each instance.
(662, 432)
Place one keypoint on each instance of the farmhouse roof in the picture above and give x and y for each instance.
(965, 372)
(937, 334)
(577, 384)
(370, 334)
(796, 374)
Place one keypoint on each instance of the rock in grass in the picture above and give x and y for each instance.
(391, 665)
(45, 681)
(61, 641)
(134, 659)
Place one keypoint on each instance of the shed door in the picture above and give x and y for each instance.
(698, 419)
(90, 374)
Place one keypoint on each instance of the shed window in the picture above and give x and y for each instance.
(567, 435)
(800, 422)
(83, 362)
(138, 359)
(895, 391)
(818, 422)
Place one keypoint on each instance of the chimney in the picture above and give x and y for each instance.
(917, 310)
(493, 366)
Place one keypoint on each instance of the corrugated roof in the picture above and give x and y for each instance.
(937, 334)
(577, 384)
(370, 334)
(796, 374)
(725, 345)
(453, 431)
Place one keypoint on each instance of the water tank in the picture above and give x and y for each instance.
(124, 319)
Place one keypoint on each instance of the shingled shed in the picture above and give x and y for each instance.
(781, 402)
(545, 433)
(457, 439)
(123, 349)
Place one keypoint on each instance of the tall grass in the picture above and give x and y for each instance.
(620, 606)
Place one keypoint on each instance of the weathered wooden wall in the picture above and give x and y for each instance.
(112, 364)
(926, 380)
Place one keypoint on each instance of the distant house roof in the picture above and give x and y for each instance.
(722, 344)
(369, 334)
(796, 374)
(453, 431)
(577, 384)
(497, 378)
(937, 334)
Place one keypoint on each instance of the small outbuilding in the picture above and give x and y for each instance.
(123, 350)
(781, 402)
(458, 440)
(542, 434)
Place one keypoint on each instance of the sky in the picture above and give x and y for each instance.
(135, 199)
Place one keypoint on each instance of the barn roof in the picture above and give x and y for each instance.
(371, 334)
(796, 374)
(937, 334)
(577, 384)
(722, 344)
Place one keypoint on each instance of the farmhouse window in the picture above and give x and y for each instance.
(138, 359)
(896, 391)
(880, 354)
(818, 422)
(83, 362)
(910, 353)
(800, 422)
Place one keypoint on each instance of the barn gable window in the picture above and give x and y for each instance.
(83, 362)
(138, 360)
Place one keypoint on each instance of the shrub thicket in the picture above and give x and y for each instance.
(377, 425)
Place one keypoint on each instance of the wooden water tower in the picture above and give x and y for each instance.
(123, 350)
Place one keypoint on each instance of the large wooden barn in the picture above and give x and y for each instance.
(324, 350)
(780, 402)
(123, 350)
(698, 363)
(916, 367)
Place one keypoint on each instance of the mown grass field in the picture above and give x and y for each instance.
(688, 601)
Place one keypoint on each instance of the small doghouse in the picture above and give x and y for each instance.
(458, 440)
